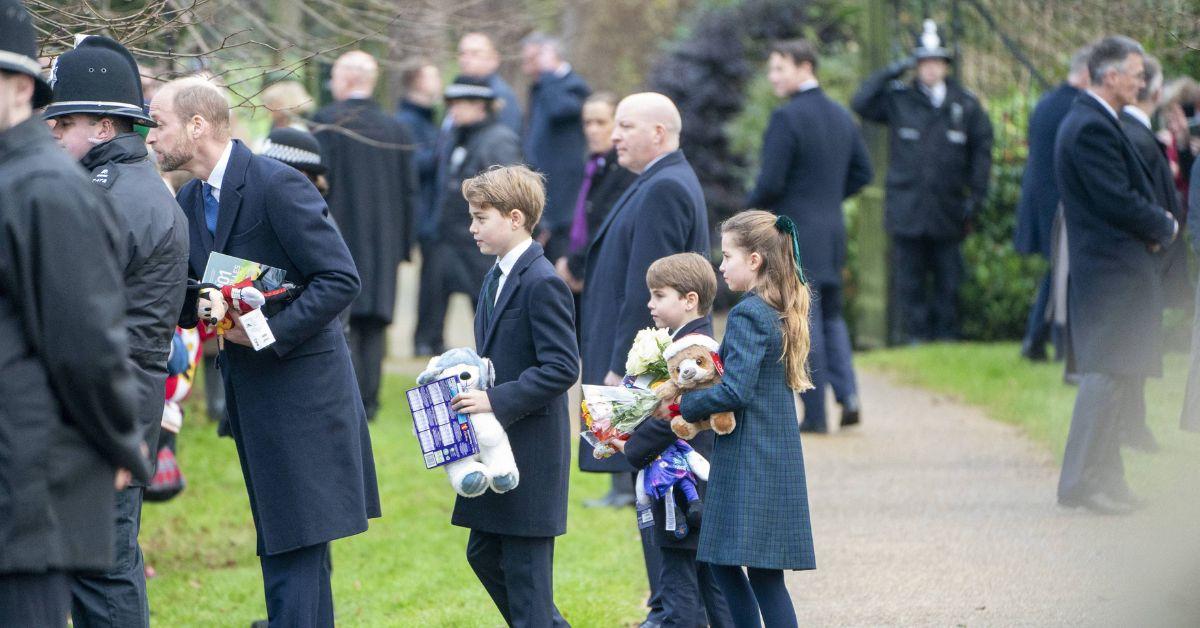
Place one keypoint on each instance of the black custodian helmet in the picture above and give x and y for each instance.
(98, 77)
(18, 49)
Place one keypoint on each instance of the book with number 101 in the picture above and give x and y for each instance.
(444, 434)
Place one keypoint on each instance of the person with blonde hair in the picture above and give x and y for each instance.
(287, 102)
(756, 517)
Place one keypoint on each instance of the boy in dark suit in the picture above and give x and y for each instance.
(682, 288)
(524, 323)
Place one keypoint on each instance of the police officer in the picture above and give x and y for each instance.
(939, 159)
(98, 99)
(67, 411)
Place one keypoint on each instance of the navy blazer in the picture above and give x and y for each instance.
(294, 408)
(653, 436)
(813, 158)
(1114, 297)
(530, 339)
(1039, 193)
(554, 142)
(660, 214)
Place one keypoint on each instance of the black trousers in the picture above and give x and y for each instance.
(446, 268)
(368, 348)
(117, 597)
(297, 589)
(518, 572)
(41, 599)
(691, 597)
(928, 272)
(1092, 459)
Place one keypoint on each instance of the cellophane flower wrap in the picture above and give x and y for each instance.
(645, 360)
(612, 413)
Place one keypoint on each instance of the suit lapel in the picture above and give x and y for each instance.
(199, 239)
(231, 193)
(511, 283)
(669, 159)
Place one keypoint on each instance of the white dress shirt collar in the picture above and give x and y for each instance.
(1139, 115)
(507, 262)
(936, 94)
(654, 161)
(1107, 107)
(217, 176)
(808, 85)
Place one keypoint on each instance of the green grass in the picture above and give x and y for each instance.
(409, 569)
(993, 377)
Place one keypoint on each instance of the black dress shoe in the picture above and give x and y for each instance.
(850, 414)
(1034, 353)
(1098, 503)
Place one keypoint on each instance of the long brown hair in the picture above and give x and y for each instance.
(779, 285)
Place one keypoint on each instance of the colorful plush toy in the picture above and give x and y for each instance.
(678, 466)
(245, 296)
(694, 364)
(494, 466)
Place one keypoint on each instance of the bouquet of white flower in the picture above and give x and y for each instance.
(645, 357)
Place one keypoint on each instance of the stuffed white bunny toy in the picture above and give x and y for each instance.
(494, 465)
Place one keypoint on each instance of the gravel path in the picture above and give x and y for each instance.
(931, 514)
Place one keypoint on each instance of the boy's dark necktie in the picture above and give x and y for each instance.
(490, 284)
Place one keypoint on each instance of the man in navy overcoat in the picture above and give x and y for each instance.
(660, 214)
(1039, 200)
(813, 157)
(1114, 296)
(294, 407)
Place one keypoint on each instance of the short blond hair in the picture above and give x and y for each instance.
(198, 96)
(506, 188)
(288, 97)
(684, 273)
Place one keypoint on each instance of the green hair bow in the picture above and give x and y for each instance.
(785, 224)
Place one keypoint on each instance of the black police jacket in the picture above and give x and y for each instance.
(938, 158)
(153, 256)
(67, 394)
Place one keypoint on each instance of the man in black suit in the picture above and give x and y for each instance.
(373, 193)
(1039, 202)
(1114, 228)
(813, 157)
(660, 214)
(1135, 120)
(294, 407)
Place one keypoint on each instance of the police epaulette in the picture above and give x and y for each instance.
(105, 177)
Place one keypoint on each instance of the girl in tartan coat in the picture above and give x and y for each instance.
(756, 516)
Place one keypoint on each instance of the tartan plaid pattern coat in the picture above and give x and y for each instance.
(756, 508)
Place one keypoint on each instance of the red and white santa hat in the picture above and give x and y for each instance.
(691, 340)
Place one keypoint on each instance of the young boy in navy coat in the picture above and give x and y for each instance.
(524, 323)
(682, 289)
